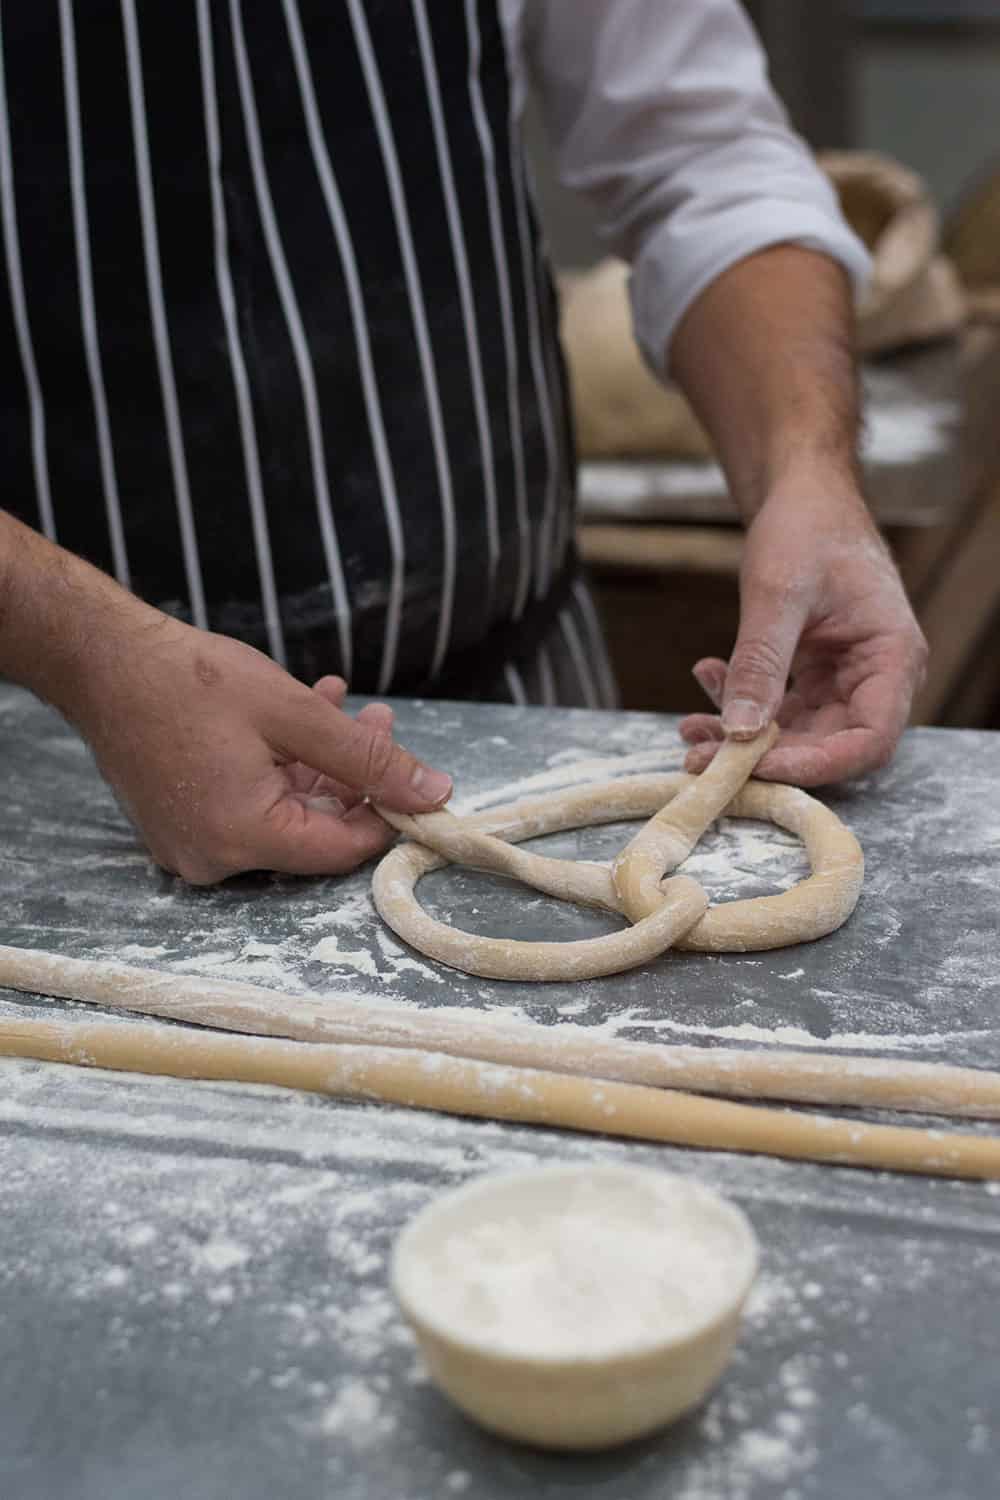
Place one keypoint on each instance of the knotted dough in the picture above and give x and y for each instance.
(664, 913)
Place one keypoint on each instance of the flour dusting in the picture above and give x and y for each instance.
(593, 1272)
(329, 951)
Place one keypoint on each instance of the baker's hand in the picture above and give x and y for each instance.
(225, 763)
(827, 643)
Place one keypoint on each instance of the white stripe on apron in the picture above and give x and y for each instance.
(340, 468)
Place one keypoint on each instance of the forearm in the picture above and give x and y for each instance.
(826, 635)
(765, 355)
(61, 620)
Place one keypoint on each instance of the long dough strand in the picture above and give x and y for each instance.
(423, 1080)
(668, 838)
(803, 1077)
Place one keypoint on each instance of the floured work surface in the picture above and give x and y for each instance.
(193, 1276)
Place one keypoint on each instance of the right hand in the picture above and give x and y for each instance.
(225, 763)
(822, 608)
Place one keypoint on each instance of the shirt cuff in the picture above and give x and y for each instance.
(670, 271)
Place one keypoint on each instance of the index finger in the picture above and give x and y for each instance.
(360, 753)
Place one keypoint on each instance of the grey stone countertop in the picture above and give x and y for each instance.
(193, 1292)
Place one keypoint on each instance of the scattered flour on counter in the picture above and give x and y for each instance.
(790, 1036)
(254, 961)
(735, 1458)
(390, 948)
(210, 960)
(769, 1296)
(255, 949)
(138, 1236)
(769, 1456)
(140, 953)
(369, 1326)
(400, 960)
(357, 1413)
(329, 951)
(221, 1255)
(738, 854)
(352, 1253)
(351, 911)
(794, 1377)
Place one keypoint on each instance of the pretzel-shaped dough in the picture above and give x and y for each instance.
(664, 913)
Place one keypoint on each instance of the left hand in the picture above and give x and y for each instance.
(827, 642)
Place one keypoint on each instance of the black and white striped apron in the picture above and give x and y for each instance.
(277, 338)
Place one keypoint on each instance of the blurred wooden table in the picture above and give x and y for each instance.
(663, 541)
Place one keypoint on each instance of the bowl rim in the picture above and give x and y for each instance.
(489, 1183)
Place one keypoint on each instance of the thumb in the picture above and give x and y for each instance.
(363, 754)
(770, 626)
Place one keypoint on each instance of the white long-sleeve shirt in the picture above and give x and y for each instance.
(660, 112)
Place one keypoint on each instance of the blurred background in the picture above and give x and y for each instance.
(901, 101)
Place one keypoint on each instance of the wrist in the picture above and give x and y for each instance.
(816, 468)
(826, 490)
(812, 457)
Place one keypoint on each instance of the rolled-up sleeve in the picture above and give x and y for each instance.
(661, 113)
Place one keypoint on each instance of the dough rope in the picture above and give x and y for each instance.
(668, 838)
(251, 1010)
(664, 913)
(473, 1065)
(461, 1086)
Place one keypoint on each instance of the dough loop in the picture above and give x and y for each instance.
(664, 913)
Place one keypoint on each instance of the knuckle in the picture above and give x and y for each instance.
(378, 759)
(757, 657)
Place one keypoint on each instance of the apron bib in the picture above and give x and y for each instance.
(278, 340)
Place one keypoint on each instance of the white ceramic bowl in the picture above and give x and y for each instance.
(576, 1307)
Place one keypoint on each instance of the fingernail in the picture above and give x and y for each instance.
(433, 786)
(743, 716)
(325, 804)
